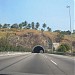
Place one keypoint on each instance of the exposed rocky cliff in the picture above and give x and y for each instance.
(29, 39)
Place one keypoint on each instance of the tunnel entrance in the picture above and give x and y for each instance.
(38, 49)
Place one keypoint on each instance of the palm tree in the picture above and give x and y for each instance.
(24, 24)
(44, 26)
(37, 25)
(20, 25)
(33, 26)
(28, 26)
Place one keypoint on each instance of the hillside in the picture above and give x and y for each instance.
(28, 38)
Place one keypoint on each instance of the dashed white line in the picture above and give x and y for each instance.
(45, 56)
(53, 62)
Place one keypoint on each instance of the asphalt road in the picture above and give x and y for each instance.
(37, 64)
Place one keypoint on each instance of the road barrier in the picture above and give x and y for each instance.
(62, 53)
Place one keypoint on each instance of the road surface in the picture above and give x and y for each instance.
(37, 64)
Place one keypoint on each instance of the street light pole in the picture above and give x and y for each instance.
(70, 26)
(69, 16)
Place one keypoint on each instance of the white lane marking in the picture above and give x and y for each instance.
(45, 56)
(53, 62)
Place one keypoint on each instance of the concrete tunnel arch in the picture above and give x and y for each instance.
(38, 49)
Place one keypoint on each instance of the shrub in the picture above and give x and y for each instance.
(5, 46)
(63, 48)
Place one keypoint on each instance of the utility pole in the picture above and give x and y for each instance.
(70, 26)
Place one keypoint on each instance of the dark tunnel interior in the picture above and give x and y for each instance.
(38, 49)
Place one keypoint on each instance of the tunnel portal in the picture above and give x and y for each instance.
(38, 49)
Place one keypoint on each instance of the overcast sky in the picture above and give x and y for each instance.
(53, 12)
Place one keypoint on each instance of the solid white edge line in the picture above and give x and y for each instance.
(53, 62)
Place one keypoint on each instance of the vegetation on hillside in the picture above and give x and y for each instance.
(63, 48)
(6, 46)
(32, 25)
(25, 31)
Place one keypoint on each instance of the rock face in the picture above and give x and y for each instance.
(29, 40)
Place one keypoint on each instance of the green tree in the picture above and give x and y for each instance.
(25, 24)
(28, 26)
(67, 46)
(33, 26)
(63, 48)
(4, 44)
(15, 25)
(42, 30)
(57, 31)
(44, 26)
(6, 25)
(66, 32)
(49, 29)
(37, 25)
(20, 25)
(0, 26)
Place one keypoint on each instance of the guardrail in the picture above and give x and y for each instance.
(72, 54)
(62, 53)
